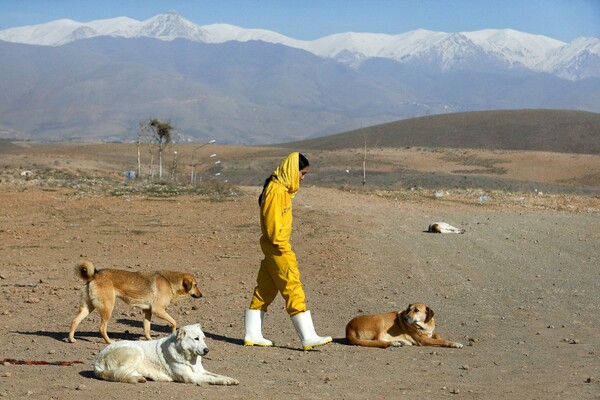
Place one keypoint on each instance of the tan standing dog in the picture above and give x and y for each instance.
(413, 326)
(150, 291)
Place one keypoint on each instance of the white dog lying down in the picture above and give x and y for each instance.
(442, 227)
(177, 357)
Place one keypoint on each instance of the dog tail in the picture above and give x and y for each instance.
(367, 343)
(352, 339)
(85, 270)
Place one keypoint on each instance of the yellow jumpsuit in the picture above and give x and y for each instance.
(279, 269)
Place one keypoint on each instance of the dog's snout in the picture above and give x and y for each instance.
(201, 350)
(197, 295)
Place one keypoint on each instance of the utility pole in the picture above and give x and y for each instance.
(193, 174)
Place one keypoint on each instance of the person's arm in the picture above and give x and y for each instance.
(273, 208)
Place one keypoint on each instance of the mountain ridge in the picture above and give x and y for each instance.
(250, 91)
(536, 52)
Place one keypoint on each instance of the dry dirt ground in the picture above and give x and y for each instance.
(520, 289)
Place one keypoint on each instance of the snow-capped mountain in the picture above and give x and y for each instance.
(67, 80)
(577, 61)
(446, 51)
(515, 46)
(168, 26)
(63, 31)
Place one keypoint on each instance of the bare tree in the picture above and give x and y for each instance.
(162, 131)
(151, 165)
(162, 134)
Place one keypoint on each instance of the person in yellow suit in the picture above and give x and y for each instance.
(278, 271)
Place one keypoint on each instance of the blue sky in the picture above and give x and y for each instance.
(310, 19)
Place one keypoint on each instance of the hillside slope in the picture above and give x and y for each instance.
(559, 131)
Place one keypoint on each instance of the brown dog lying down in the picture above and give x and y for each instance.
(150, 291)
(413, 326)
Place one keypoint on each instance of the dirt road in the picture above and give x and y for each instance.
(520, 289)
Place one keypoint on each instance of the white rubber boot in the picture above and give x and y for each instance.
(304, 326)
(253, 326)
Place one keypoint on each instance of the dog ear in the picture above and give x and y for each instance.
(401, 313)
(180, 334)
(429, 314)
(187, 284)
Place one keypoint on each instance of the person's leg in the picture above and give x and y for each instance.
(266, 287)
(287, 278)
(306, 330)
(264, 294)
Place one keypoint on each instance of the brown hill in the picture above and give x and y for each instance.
(515, 151)
(558, 131)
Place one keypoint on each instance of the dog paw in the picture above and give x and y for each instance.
(71, 340)
(225, 382)
(457, 345)
(396, 344)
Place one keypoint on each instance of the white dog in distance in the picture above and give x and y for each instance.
(442, 227)
(175, 358)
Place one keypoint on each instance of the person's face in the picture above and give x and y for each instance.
(303, 172)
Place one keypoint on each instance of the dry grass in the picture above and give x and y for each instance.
(399, 169)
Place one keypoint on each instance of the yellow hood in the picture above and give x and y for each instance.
(288, 174)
